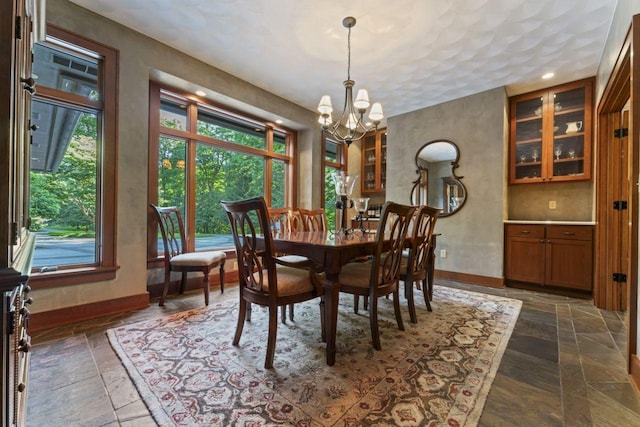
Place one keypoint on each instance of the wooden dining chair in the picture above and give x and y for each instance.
(263, 279)
(279, 219)
(313, 219)
(178, 258)
(415, 261)
(284, 220)
(379, 276)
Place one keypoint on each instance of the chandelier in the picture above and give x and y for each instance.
(351, 125)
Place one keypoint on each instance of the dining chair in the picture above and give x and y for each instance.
(279, 219)
(285, 220)
(178, 258)
(313, 219)
(379, 276)
(415, 261)
(262, 277)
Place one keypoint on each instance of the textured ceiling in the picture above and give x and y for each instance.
(409, 54)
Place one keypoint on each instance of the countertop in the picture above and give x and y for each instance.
(521, 221)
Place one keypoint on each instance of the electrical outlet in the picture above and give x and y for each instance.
(552, 204)
(443, 253)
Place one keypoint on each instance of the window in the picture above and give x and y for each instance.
(334, 159)
(72, 172)
(201, 154)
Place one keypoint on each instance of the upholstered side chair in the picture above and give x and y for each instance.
(176, 256)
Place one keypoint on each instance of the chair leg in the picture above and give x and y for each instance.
(183, 282)
(206, 287)
(222, 278)
(165, 290)
(248, 310)
(322, 321)
(356, 302)
(271, 341)
(373, 321)
(365, 303)
(291, 312)
(408, 295)
(427, 296)
(396, 308)
(242, 312)
(283, 314)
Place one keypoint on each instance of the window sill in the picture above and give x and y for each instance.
(74, 276)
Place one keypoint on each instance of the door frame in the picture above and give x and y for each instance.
(623, 84)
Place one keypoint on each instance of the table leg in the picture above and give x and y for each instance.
(331, 297)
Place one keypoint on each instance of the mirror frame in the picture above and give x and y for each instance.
(422, 175)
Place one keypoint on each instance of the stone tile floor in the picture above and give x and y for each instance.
(564, 366)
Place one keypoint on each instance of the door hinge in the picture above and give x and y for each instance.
(621, 132)
(620, 205)
(14, 233)
(619, 277)
(19, 27)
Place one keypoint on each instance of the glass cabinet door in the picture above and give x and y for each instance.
(550, 134)
(369, 163)
(568, 133)
(527, 153)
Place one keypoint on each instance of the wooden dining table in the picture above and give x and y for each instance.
(331, 251)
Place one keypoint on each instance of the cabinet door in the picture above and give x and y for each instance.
(374, 162)
(550, 134)
(569, 263)
(526, 138)
(525, 259)
(571, 133)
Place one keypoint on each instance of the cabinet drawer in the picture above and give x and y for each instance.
(524, 230)
(575, 232)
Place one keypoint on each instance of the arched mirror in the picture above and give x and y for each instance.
(437, 184)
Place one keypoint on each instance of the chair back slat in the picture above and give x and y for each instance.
(392, 226)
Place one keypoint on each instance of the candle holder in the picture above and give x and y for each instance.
(361, 204)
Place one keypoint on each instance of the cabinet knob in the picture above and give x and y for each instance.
(21, 387)
(525, 231)
(541, 240)
(568, 233)
(26, 289)
(549, 241)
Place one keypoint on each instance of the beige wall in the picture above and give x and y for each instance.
(141, 57)
(477, 124)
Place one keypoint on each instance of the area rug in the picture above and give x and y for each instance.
(437, 372)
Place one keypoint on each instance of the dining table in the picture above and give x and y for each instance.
(330, 251)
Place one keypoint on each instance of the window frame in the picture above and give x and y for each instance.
(192, 138)
(105, 266)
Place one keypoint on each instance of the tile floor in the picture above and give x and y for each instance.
(564, 366)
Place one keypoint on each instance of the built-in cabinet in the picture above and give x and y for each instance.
(21, 23)
(374, 162)
(549, 255)
(551, 134)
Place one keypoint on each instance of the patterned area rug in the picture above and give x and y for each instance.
(437, 372)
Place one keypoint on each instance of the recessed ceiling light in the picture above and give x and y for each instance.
(201, 93)
(279, 121)
(547, 76)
